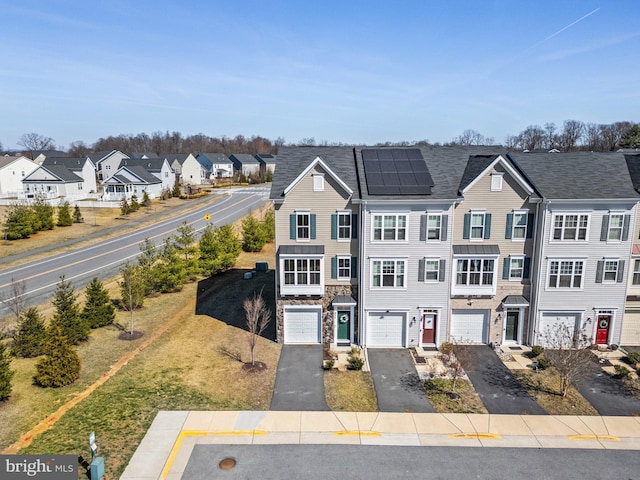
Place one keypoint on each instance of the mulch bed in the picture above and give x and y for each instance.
(130, 336)
(417, 358)
(254, 367)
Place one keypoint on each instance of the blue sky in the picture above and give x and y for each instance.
(340, 71)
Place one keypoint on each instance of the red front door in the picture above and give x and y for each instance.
(429, 328)
(602, 329)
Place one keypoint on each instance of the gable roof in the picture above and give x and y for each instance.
(244, 159)
(6, 160)
(266, 158)
(143, 175)
(479, 165)
(633, 165)
(578, 175)
(216, 158)
(154, 164)
(293, 162)
(61, 173)
(70, 162)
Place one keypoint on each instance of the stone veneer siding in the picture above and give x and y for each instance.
(331, 292)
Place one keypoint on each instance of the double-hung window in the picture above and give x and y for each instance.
(303, 226)
(570, 227)
(344, 267)
(636, 272)
(344, 225)
(519, 226)
(477, 226)
(616, 223)
(566, 273)
(432, 270)
(390, 227)
(434, 225)
(611, 270)
(475, 271)
(388, 273)
(302, 271)
(516, 268)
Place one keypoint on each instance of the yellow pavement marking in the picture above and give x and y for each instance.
(594, 437)
(479, 436)
(200, 433)
(357, 432)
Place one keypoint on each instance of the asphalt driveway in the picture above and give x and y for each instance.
(299, 379)
(396, 381)
(606, 394)
(498, 388)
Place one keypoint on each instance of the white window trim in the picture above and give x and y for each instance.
(526, 225)
(388, 214)
(318, 182)
(300, 213)
(496, 185)
(564, 214)
(343, 257)
(560, 260)
(611, 214)
(604, 270)
(382, 287)
(297, 289)
(432, 259)
(433, 240)
(474, 289)
(438, 314)
(516, 257)
(350, 214)
(636, 261)
(484, 225)
(603, 311)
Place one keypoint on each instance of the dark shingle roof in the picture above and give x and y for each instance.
(476, 164)
(633, 165)
(60, 171)
(266, 158)
(292, 161)
(476, 249)
(301, 249)
(151, 164)
(577, 175)
(143, 174)
(216, 158)
(69, 162)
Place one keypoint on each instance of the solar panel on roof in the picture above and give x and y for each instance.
(397, 171)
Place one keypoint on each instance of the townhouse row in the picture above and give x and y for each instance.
(402, 247)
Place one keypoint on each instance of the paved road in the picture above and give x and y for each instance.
(498, 389)
(299, 379)
(104, 259)
(322, 462)
(396, 381)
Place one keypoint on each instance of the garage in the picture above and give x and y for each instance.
(386, 329)
(549, 322)
(630, 329)
(302, 325)
(469, 326)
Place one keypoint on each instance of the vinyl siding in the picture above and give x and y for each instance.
(323, 204)
(593, 295)
(416, 295)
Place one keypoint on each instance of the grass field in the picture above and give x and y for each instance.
(468, 400)
(350, 391)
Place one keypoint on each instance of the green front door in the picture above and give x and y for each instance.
(344, 326)
(511, 327)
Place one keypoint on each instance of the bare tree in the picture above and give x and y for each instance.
(472, 137)
(452, 357)
(35, 141)
(258, 317)
(572, 132)
(532, 137)
(551, 138)
(78, 149)
(16, 299)
(567, 349)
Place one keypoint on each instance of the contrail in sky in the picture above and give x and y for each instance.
(564, 28)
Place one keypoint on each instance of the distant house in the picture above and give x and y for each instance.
(221, 166)
(40, 155)
(53, 181)
(245, 164)
(267, 163)
(190, 170)
(12, 171)
(106, 162)
(130, 180)
(83, 167)
(158, 166)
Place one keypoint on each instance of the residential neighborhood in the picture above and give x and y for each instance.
(413, 247)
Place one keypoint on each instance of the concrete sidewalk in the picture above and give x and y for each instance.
(165, 450)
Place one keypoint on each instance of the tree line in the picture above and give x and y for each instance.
(573, 135)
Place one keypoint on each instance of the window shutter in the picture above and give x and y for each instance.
(467, 226)
(334, 226)
(421, 268)
(354, 225)
(527, 267)
(507, 233)
(334, 267)
(599, 271)
(530, 218)
(423, 228)
(625, 228)
(505, 268)
(312, 221)
(441, 273)
(487, 226)
(292, 226)
(605, 228)
(620, 271)
(354, 267)
(444, 227)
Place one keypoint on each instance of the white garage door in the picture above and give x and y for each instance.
(548, 326)
(302, 325)
(630, 329)
(385, 329)
(469, 326)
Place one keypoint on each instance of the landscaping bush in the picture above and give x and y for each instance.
(633, 358)
(61, 364)
(31, 335)
(621, 371)
(98, 310)
(536, 351)
(355, 363)
(543, 362)
(6, 374)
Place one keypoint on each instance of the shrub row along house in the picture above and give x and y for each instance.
(403, 247)
(114, 175)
